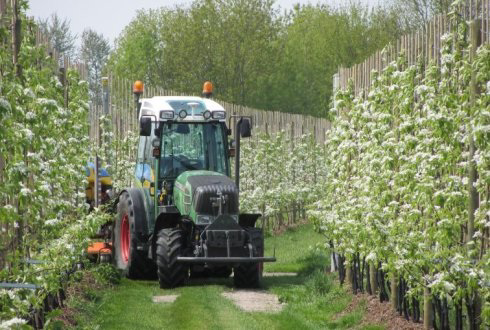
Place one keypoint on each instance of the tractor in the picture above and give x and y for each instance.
(181, 218)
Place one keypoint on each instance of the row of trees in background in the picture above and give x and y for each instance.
(280, 177)
(94, 49)
(256, 55)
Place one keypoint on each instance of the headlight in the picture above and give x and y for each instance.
(219, 115)
(204, 219)
(167, 114)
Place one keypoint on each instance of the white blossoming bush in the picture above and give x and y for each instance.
(280, 176)
(396, 192)
(117, 153)
(44, 148)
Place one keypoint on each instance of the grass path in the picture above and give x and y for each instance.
(312, 298)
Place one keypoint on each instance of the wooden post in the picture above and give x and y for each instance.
(16, 38)
(394, 291)
(3, 10)
(372, 278)
(472, 172)
(348, 274)
(473, 194)
(427, 309)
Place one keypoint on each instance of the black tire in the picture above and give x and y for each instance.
(249, 275)
(204, 273)
(222, 271)
(170, 246)
(137, 265)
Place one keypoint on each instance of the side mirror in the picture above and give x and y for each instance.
(145, 126)
(245, 128)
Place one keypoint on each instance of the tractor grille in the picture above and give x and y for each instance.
(203, 195)
(206, 187)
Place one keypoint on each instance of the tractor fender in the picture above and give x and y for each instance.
(140, 221)
(248, 219)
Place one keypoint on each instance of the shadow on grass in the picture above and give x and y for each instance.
(313, 262)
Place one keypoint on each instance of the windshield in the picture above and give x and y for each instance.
(193, 146)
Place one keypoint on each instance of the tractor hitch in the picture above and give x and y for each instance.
(225, 259)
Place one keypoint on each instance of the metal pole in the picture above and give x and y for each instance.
(105, 103)
(237, 154)
(97, 186)
(105, 94)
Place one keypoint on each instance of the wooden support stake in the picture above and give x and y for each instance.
(372, 278)
(472, 172)
(394, 291)
(427, 309)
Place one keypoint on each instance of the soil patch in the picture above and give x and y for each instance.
(377, 312)
(165, 299)
(255, 301)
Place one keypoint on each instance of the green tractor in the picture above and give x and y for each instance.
(182, 216)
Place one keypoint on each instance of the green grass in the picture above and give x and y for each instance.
(313, 298)
(294, 249)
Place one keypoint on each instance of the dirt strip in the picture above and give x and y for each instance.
(165, 299)
(279, 274)
(255, 301)
(377, 312)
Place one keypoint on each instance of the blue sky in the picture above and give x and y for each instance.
(109, 17)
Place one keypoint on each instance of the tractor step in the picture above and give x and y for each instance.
(225, 259)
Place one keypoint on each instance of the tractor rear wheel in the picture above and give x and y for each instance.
(170, 244)
(133, 263)
(249, 275)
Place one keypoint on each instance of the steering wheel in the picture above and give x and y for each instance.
(191, 164)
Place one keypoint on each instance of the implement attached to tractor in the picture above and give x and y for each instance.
(182, 217)
(99, 191)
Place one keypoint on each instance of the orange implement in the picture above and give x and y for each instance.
(100, 248)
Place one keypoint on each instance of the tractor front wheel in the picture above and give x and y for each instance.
(222, 271)
(249, 275)
(170, 246)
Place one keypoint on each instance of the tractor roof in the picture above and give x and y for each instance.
(193, 106)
